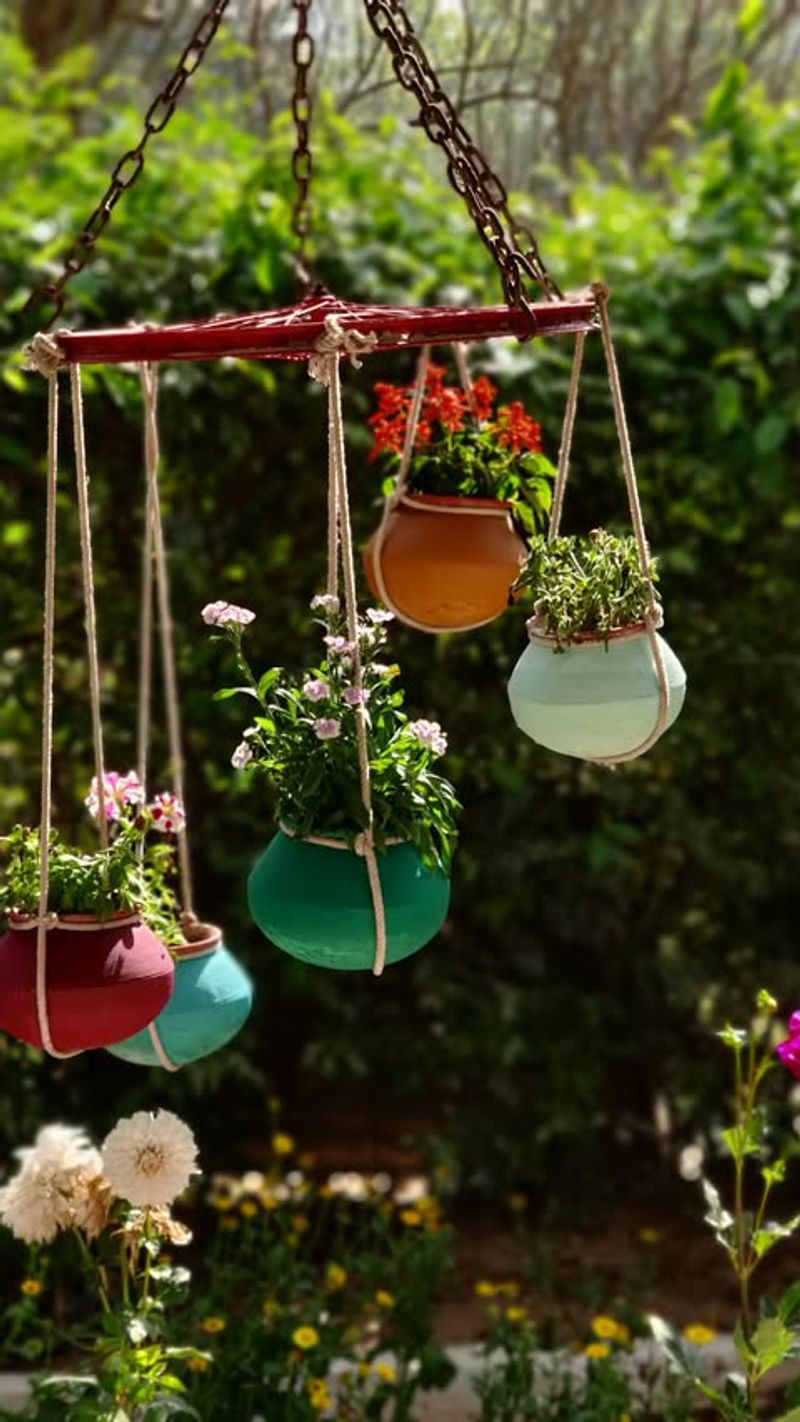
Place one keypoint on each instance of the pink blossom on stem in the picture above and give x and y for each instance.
(316, 690)
(430, 735)
(339, 646)
(355, 696)
(789, 1051)
(242, 756)
(167, 813)
(226, 614)
(119, 791)
(327, 728)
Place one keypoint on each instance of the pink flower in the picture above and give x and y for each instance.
(316, 690)
(789, 1051)
(337, 645)
(325, 602)
(167, 813)
(327, 728)
(430, 735)
(226, 614)
(377, 615)
(242, 756)
(119, 791)
(355, 696)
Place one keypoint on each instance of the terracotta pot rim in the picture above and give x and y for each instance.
(14, 919)
(473, 501)
(589, 639)
(199, 936)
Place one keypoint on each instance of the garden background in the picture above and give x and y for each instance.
(603, 924)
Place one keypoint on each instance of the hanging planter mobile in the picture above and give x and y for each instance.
(213, 994)
(596, 681)
(72, 980)
(357, 875)
(448, 549)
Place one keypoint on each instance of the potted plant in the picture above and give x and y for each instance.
(449, 546)
(211, 1002)
(306, 893)
(587, 684)
(107, 972)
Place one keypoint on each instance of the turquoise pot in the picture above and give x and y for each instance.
(315, 902)
(211, 1002)
(594, 699)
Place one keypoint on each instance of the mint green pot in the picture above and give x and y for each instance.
(594, 699)
(315, 902)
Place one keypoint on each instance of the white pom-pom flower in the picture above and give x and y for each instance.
(57, 1186)
(149, 1159)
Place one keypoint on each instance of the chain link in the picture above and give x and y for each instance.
(129, 167)
(512, 245)
(302, 157)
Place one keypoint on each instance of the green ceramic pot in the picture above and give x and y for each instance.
(592, 699)
(314, 902)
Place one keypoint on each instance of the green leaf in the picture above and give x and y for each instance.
(765, 1238)
(733, 1037)
(751, 17)
(227, 692)
(789, 1305)
(771, 1344)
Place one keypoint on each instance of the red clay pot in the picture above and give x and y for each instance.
(445, 569)
(102, 985)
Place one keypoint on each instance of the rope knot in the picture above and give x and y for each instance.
(364, 844)
(337, 341)
(43, 353)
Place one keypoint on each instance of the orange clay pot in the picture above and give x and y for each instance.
(447, 563)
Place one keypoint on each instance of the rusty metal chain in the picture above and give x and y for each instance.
(302, 157)
(512, 245)
(129, 167)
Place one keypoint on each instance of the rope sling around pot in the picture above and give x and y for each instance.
(213, 993)
(397, 927)
(441, 564)
(630, 679)
(70, 996)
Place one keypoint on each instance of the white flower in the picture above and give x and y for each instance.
(327, 728)
(119, 791)
(59, 1186)
(149, 1159)
(377, 615)
(316, 690)
(325, 602)
(226, 614)
(242, 756)
(430, 735)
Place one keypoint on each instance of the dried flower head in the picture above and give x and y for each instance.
(149, 1159)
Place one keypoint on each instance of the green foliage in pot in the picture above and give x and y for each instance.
(304, 738)
(585, 586)
(466, 446)
(129, 875)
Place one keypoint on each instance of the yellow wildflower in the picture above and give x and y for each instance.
(325, 1192)
(516, 1313)
(518, 1202)
(335, 1276)
(307, 1160)
(274, 1103)
(248, 1208)
(319, 1395)
(229, 1222)
(282, 1144)
(624, 1417)
(484, 1289)
(292, 1240)
(605, 1327)
(305, 1337)
(510, 1288)
(411, 1217)
(386, 1372)
(384, 1299)
(199, 1364)
(365, 1370)
(268, 1199)
(221, 1201)
(623, 1334)
(270, 1309)
(213, 1324)
(31, 1288)
(300, 1223)
(597, 1350)
(699, 1333)
(648, 1235)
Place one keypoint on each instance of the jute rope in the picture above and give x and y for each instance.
(400, 494)
(653, 618)
(43, 355)
(324, 367)
(154, 536)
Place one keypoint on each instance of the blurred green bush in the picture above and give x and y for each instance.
(601, 920)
